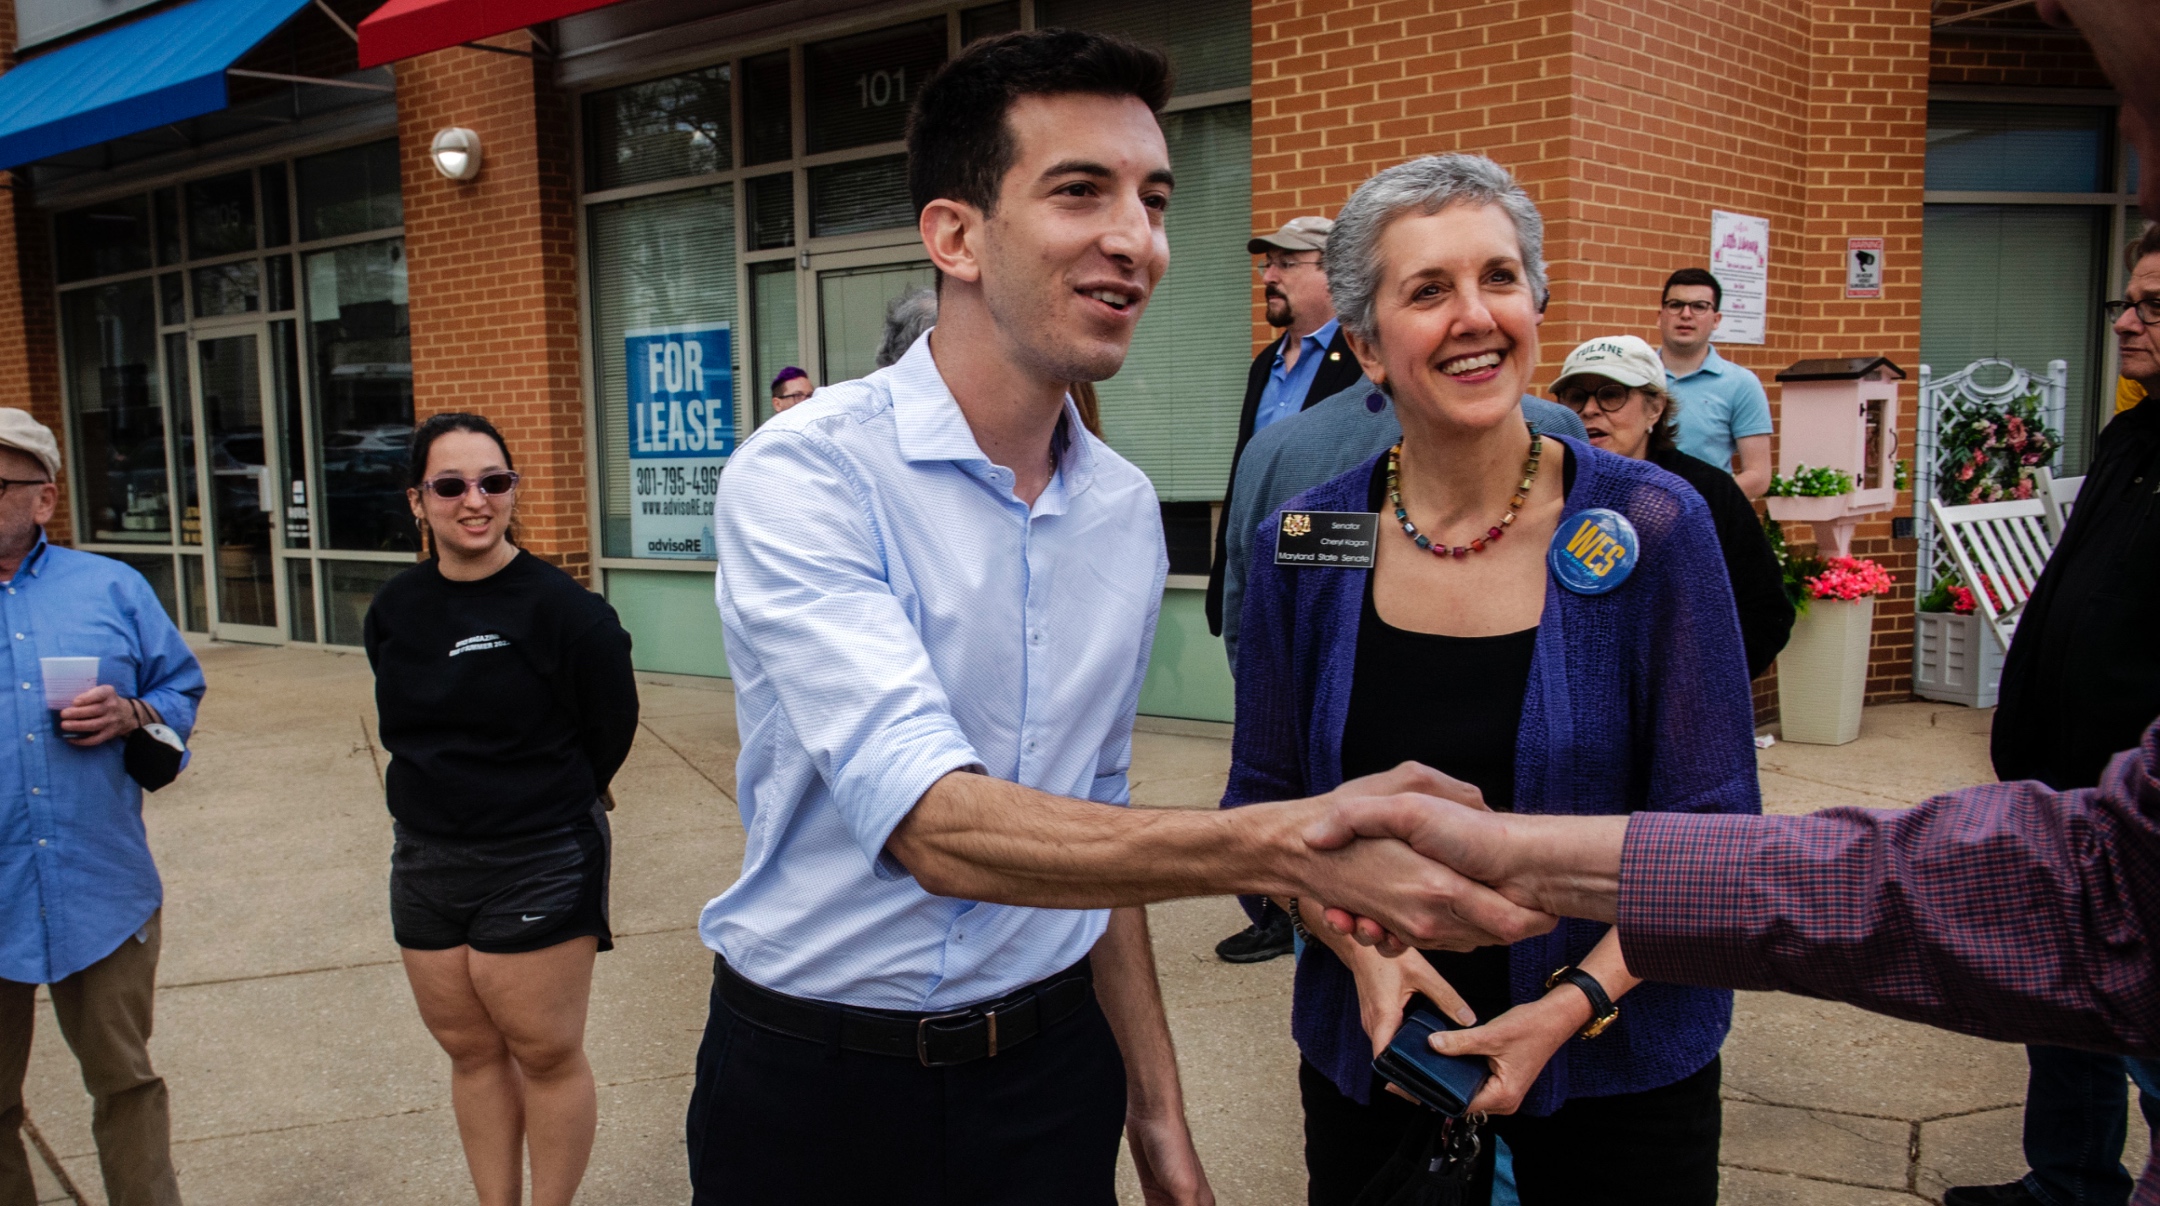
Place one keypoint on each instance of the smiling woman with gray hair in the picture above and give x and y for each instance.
(1503, 631)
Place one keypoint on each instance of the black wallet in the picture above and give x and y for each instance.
(1444, 1082)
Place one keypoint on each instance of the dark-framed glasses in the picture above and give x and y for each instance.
(5, 482)
(1261, 267)
(1609, 397)
(453, 486)
(2148, 309)
(1697, 308)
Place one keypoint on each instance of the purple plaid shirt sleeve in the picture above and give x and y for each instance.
(2008, 910)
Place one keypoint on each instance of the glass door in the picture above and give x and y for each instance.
(853, 289)
(238, 454)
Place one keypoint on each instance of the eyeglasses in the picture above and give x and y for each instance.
(452, 486)
(1609, 397)
(5, 482)
(1262, 268)
(2148, 310)
(1697, 308)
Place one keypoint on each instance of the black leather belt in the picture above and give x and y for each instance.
(936, 1040)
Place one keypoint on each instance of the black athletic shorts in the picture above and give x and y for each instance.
(503, 896)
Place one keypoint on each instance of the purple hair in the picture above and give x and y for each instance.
(786, 375)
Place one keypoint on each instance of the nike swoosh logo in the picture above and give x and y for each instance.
(522, 917)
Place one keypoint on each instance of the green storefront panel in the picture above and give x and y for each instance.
(1188, 677)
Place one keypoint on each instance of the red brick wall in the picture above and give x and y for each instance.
(1629, 122)
(493, 277)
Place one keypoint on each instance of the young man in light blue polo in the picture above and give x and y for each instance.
(1724, 415)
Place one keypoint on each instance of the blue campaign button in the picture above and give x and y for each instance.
(1594, 551)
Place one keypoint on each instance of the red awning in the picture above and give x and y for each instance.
(404, 28)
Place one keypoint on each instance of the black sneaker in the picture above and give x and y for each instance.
(2013, 1194)
(1259, 942)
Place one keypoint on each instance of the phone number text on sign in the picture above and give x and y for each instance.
(681, 431)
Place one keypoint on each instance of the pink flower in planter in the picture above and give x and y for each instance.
(1849, 578)
(1961, 601)
(2024, 489)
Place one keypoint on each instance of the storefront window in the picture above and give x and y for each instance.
(119, 420)
(1209, 41)
(350, 191)
(772, 211)
(659, 129)
(103, 239)
(276, 206)
(2017, 148)
(361, 353)
(989, 21)
(768, 134)
(349, 587)
(772, 299)
(657, 262)
(856, 90)
(223, 289)
(860, 195)
(221, 215)
(157, 569)
(166, 204)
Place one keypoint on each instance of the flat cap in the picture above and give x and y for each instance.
(1298, 234)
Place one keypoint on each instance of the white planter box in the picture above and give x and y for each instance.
(1956, 659)
(1822, 675)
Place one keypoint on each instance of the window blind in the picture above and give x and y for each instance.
(656, 261)
(1209, 41)
(1173, 409)
(2023, 283)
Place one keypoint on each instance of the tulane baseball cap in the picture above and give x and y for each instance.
(1298, 234)
(25, 434)
(1622, 358)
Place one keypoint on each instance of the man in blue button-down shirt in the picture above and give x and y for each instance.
(79, 894)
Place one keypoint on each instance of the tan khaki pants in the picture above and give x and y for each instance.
(104, 1012)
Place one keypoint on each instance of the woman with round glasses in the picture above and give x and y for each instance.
(505, 699)
(1617, 384)
(1544, 620)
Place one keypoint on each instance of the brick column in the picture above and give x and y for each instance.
(29, 339)
(492, 277)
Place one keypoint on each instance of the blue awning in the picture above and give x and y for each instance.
(164, 68)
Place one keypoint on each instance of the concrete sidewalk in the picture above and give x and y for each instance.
(300, 1072)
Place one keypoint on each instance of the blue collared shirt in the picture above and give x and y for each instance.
(1284, 393)
(894, 613)
(1719, 403)
(76, 878)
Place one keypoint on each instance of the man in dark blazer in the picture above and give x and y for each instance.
(1310, 362)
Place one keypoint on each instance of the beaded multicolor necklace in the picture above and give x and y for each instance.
(1522, 496)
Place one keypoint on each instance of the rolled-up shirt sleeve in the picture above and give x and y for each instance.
(807, 606)
(2007, 911)
(168, 677)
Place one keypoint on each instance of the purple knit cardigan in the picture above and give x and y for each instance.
(1637, 700)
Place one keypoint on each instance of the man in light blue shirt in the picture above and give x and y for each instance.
(934, 983)
(79, 893)
(1724, 416)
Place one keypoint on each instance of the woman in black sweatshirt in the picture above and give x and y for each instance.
(504, 695)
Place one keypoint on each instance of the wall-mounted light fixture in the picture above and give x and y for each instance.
(456, 153)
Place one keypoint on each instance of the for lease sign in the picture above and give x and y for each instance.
(681, 430)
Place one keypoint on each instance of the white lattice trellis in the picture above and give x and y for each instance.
(1974, 388)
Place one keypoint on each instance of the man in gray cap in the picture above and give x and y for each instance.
(80, 899)
(1310, 362)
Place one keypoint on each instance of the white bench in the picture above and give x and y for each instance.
(2003, 545)
(2059, 493)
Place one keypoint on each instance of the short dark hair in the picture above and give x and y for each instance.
(959, 145)
(425, 435)
(1695, 276)
(2144, 245)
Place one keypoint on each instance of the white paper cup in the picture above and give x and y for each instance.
(66, 678)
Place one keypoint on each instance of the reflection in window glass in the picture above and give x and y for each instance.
(157, 570)
(191, 591)
(285, 402)
(221, 215)
(772, 211)
(234, 288)
(659, 129)
(1209, 41)
(172, 300)
(278, 271)
(277, 206)
(989, 21)
(300, 597)
(100, 240)
(656, 262)
(350, 191)
(856, 90)
(2016, 148)
(182, 409)
(349, 587)
(866, 194)
(166, 202)
(772, 302)
(119, 421)
(768, 133)
(360, 351)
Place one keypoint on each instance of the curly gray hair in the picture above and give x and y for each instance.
(907, 316)
(1421, 186)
